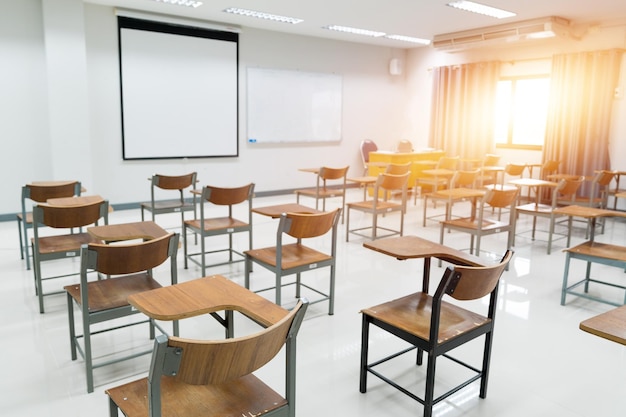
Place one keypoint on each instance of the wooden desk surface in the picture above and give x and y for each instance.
(438, 172)
(368, 179)
(599, 250)
(559, 177)
(610, 325)
(127, 231)
(412, 247)
(275, 211)
(206, 295)
(533, 182)
(74, 201)
(588, 212)
(456, 193)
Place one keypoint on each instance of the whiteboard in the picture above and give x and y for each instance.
(293, 106)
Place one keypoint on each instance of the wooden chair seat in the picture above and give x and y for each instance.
(113, 292)
(412, 314)
(219, 223)
(293, 256)
(535, 208)
(64, 243)
(29, 217)
(170, 205)
(485, 225)
(323, 193)
(368, 206)
(185, 400)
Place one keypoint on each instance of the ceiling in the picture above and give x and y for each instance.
(415, 18)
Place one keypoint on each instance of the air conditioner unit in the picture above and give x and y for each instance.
(546, 27)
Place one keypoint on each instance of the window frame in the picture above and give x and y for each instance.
(509, 144)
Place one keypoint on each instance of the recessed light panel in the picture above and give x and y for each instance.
(408, 39)
(356, 31)
(263, 15)
(188, 3)
(470, 6)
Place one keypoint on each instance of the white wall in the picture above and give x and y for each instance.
(374, 104)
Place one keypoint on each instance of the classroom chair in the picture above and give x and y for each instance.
(214, 378)
(128, 269)
(64, 243)
(40, 192)
(434, 326)
(225, 199)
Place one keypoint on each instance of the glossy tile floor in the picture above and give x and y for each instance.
(542, 364)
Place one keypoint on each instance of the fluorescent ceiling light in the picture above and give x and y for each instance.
(356, 31)
(262, 15)
(470, 6)
(188, 3)
(408, 39)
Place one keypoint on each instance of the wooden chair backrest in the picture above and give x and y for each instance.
(448, 162)
(398, 169)
(567, 188)
(206, 362)
(307, 225)
(228, 196)
(65, 217)
(515, 169)
(367, 146)
(549, 167)
(327, 173)
(501, 198)
(178, 182)
(391, 182)
(471, 283)
(42, 193)
(491, 160)
(130, 258)
(404, 146)
(466, 179)
(604, 178)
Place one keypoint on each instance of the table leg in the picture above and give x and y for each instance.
(565, 274)
(426, 276)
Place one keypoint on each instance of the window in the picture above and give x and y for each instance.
(521, 111)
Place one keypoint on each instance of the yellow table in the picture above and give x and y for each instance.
(386, 157)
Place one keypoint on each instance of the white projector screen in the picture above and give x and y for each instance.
(179, 91)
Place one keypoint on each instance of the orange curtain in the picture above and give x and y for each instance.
(579, 112)
(463, 104)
